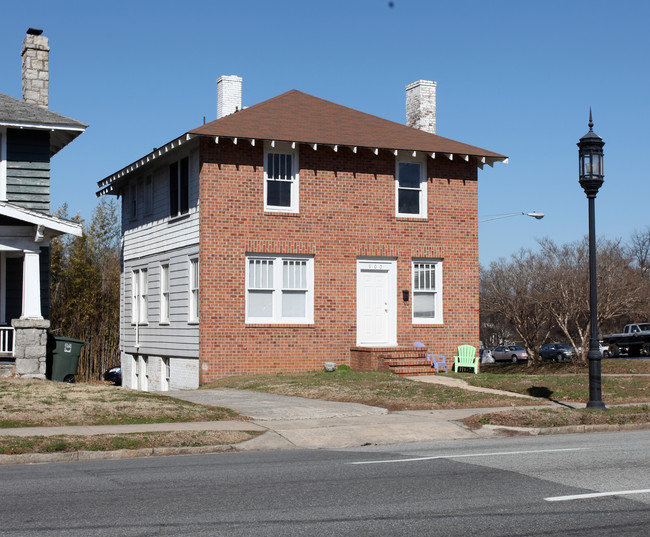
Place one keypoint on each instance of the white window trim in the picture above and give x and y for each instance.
(438, 290)
(278, 287)
(179, 211)
(139, 296)
(285, 149)
(194, 291)
(164, 294)
(165, 373)
(3, 164)
(423, 185)
(143, 373)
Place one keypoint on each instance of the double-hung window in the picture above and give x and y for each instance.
(3, 164)
(133, 201)
(281, 178)
(148, 194)
(179, 187)
(410, 188)
(279, 289)
(194, 290)
(164, 293)
(427, 291)
(139, 296)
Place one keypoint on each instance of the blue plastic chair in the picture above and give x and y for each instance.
(438, 361)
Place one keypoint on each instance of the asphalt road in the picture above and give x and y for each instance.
(490, 487)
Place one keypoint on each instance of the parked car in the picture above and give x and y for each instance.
(114, 374)
(557, 352)
(509, 353)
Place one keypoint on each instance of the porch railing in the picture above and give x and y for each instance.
(7, 341)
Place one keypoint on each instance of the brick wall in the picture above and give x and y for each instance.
(347, 210)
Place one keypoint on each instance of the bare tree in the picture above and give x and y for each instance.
(547, 292)
(639, 249)
(510, 290)
(85, 289)
(564, 279)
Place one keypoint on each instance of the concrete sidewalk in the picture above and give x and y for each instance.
(296, 422)
(292, 422)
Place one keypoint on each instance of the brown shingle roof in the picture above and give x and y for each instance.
(298, 117)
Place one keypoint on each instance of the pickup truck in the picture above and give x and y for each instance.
(635, 339)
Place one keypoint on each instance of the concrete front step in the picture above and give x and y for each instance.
(413, 370)
(396, 362)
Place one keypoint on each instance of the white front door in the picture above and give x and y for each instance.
(376, 303)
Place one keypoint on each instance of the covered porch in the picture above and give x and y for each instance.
(25, 237)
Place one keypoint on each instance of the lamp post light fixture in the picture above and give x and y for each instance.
(590, 155)
(535, 215)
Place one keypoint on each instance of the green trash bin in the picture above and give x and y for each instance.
(65, 358)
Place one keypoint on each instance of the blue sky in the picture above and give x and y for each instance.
(513, 77)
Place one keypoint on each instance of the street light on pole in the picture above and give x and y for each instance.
(535, 215)
(590, 156)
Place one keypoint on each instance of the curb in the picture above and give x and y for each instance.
(73, 456)
(567, 429)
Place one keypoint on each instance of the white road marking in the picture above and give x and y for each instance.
(595, 495)
(494, 454)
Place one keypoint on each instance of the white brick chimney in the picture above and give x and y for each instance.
(36, 68)
(228, 95)
(421, 105)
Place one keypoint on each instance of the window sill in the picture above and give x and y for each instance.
(195, 323)
(271, 212)
(279, 325)
(178, 217)
(164, 323)
(411, 218)
(427, 323)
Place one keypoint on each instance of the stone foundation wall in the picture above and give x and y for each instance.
(30, 346)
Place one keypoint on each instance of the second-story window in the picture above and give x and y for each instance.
(133, 201)
(411, 188)
(3, 164)
(179, 187)
(148, 195)
(281, 179)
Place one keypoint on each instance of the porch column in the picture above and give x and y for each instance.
(31, 286)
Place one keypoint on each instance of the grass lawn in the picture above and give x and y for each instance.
(26, 403)
(555, 417)
(381, 389)
(18, 445)
(568, 382)
(33, 402)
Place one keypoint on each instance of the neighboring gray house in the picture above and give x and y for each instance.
(30, 135)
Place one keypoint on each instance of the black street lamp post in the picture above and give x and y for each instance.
(590, 151)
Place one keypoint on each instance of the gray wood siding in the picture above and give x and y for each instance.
(28, 169)
(151, 239)
(177, 338)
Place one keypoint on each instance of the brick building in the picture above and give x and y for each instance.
(295, 232)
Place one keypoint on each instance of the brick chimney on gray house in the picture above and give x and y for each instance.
(421, 105)
(36, 68)
(228, 95)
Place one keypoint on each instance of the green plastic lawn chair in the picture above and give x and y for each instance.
(466, 358)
